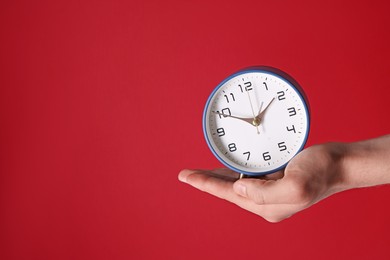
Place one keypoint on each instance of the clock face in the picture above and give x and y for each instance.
(256, 121)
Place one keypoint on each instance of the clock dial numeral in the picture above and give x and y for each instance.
(224, 112)
(221, 132)
(232, 147)
(291, 129)
(247, 86)
(266, 156)
(248, 155)
(229, 99)
(282, 146)
(291, 111)
(265, 85)
(281, 95)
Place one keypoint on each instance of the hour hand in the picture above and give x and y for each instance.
(248, 120)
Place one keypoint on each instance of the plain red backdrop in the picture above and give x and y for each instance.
(101, 105)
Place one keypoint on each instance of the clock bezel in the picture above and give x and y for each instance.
(277, 73)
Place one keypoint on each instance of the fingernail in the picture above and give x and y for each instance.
(240, 189)
(183, 175)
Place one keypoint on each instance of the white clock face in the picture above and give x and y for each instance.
(256, 121)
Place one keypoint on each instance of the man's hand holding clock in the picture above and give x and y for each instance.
(285, 179)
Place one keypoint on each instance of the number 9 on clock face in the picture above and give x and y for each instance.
(256, 120)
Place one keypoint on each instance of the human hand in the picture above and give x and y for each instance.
(311, 176)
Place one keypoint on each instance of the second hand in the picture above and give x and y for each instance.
(253, 113)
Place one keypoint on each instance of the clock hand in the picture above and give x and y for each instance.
(260, 116)
(248, 120)
(261, 105)
(254, 122)
(250, 102)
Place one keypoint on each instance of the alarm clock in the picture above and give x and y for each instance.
(256, 120)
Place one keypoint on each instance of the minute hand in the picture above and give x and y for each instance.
(248, 120)
(260, 116)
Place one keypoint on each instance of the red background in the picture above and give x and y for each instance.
(101, 105)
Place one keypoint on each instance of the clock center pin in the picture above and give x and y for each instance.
(256, 121)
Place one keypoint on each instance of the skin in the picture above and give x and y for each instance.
(314, 174)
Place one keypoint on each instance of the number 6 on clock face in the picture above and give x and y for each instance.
(256, 120)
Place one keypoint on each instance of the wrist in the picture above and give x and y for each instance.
(337, 159)
(364, 163)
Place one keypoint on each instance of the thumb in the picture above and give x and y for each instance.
(262, 191)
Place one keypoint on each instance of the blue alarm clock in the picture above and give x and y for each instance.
(256, 120)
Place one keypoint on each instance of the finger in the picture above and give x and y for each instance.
(264, 192)
(273, 176)
(222, 173)
(209, 182)
(225, 173)
(205, 181)
(221, 188)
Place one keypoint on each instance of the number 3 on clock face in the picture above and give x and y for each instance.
(256, 120)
